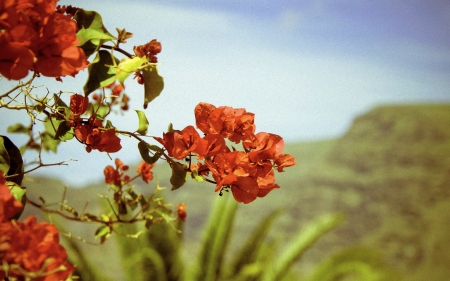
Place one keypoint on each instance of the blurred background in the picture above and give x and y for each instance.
(358, 89)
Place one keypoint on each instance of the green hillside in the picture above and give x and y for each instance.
(390, 173)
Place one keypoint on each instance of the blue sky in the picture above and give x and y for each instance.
(305, 68)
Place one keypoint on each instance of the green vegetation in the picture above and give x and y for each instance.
(389, 174)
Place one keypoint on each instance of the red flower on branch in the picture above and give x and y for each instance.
(114, 176)
(36, 38)
(181, 212)
(91, 132)
(145, 170)
(250, 173)
(234, 124)
(78, 104)
(180, 144)
(28, 249)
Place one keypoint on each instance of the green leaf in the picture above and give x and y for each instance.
(307, 236)
(359, 263)
(64, 132)
(254, 245)
(91, 31)
(103, 232)
(100, 110)
(11, 162)
(4, 157)
(19, 194)
(48, 142)
(196, 176)
(101, 72)
(216, 238)
(17, 191)
(179, 174)
(153, 84)
(144, 150)
(59, 102)
(143, 123)
(127, 66)
(18, 128)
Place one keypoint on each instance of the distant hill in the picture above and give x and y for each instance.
(390, 173)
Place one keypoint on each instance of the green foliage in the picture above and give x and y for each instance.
(11, 162)
(91, 31)
(305, 239)
(145, 150)
(357, 263)
(143, 123)
(101, 74)
(127, 66)
(216, 239)
(179, 175)
(153, 84)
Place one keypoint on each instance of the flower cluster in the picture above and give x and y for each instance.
(29, 249)
(116, 175)
(248, 173)
(149, 50)
(91, 132)
(35, 37)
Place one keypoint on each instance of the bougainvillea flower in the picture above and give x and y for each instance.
(228, 166)
(284, 160)
(233, 170)
(181, 212)
(244, 127)
(245, 189)
(36, 38)
(15, 59)
(9, 206)
(112, 176)
(149, 50)
(202, 112)
(213, 145)
(264, 146)
(180, 143)
(59, 55)
(236, 124)
(222, 121)
(78, 104)
(145, 170)
(33, 247)
(104, 141)
(265, 177)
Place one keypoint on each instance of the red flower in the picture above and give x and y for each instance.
(58, 52)
(213, 145)
(181, 211)
(233, 169)
(28, 247)
(104, 141)
(114, 176)
(15, 59)
(180, 143)
(78, 104)
(283, 161)
(9, 206)
(91, 132)
(234, 124)
(264, 146)
(36, 38)
(32, 247)
(145, 170)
